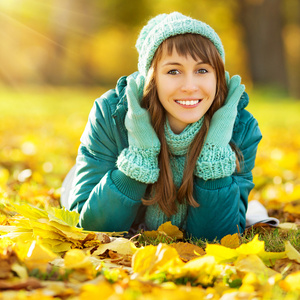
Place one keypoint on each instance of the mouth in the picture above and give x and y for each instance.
(189, 103)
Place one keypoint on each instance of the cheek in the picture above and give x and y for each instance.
(163, 89)
(212, 88)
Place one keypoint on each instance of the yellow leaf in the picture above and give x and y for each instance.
(38, 256)
(171, 230)
(5, 242)
(293, 208)
(253, 264)
(231, 241)
(150, 259)
(291, 252)
(77, 259)
(221, 253)
(253, 247)
(19, 236)
(120, 245)
(269, 258)
(288, 226)
(167, 229)
(102, 290)
(291, 282)
(204, 268)
(64, 231)
(61, 248)
(28, 211)
(257, 247)
(63, 216)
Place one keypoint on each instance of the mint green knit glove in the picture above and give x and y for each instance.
(140, 160)
(217, 159)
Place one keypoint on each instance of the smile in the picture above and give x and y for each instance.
(188, 102)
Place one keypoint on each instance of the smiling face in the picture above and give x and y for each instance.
(186, 88)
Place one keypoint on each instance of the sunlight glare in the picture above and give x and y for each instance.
(10, 4)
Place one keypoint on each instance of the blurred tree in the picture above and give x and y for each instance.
(291, 35)
(262, 21)
(70, 24)
(126, 13)
(65, 42)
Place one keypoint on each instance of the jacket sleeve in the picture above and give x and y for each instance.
(106, 199)
(223, 202)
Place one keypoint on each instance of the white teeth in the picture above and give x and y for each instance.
(188, 102)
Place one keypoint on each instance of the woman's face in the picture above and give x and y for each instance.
(186, 88)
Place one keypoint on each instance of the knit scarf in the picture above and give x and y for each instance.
(178, 145)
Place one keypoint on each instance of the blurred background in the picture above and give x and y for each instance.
(57, 56)
(67, 42)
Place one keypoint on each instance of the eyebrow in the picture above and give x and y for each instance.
(179, 64)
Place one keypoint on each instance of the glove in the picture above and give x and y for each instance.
(217, 159)
(140, 160)
(137, 121)
(221, 125)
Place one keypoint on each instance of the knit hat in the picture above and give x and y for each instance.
(164, 26)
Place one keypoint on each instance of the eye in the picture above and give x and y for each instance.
(173, 72)
(202, 71)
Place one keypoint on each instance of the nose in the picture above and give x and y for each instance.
(190, 84)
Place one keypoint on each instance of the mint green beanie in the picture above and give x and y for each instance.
(164, 26)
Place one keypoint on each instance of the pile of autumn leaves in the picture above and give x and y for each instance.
(43, 255)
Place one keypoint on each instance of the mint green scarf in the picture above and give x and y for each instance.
(178, 145)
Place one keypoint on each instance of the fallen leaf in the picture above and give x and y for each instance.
(167, 229)
(188, 251)
(120, 245)
(8, 258)
(59, 235)
(221, 253)
(29, 284)
(202, 270)
(38, 257)
(291, 282)
(293, 208)
(150, 259)
(102, 290)
(291, 252)
(288, 226)
(253, 264)
(77, 259)
(256, 247)
(63, 216)
(231, 241)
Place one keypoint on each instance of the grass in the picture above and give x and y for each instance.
(274, 239)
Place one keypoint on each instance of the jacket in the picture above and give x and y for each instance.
(107, 200)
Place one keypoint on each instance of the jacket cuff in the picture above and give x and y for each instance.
(139, 164)
(213, 184)
(127, 186)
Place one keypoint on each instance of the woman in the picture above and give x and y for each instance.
(170, 142)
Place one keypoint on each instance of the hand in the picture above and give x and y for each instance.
(140, 160)
(137, 121)
(221, 125)
(217, 159)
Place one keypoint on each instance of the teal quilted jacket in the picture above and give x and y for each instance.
(108, 200)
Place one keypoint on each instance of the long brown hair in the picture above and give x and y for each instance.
(164, 191)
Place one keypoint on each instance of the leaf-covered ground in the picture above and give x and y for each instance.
(43, 255)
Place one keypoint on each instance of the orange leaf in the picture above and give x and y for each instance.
(167, 229)
(231, 241)
(188, 251)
